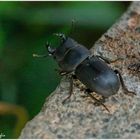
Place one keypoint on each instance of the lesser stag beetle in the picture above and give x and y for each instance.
(76, 60)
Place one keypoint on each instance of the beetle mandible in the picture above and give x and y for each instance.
(93, 71)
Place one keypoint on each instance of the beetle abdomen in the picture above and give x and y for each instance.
(98, 77)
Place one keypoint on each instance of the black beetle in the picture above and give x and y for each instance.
(76, 60)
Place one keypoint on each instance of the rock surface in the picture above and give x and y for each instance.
(79, 117)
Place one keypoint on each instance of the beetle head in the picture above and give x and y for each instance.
(66, 44)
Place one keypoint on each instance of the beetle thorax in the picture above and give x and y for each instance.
(70, 54)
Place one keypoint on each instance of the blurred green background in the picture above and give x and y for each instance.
(25, 82)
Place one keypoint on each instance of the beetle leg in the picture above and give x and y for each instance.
(95, 99)
(70, 91)
(103, 99)
(61, 72)
(134, 67)
(126, 91)
(107, 60)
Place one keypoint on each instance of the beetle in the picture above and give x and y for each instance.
(93, 71)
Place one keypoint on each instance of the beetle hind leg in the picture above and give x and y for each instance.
(98, 102)
(126, 91)
(61, 72)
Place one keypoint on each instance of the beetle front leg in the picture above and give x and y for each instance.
(102, 100)
(88, 92)
(126, 91)
(70, 91)
(61, 72)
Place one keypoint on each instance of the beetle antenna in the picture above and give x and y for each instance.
(39, 56)
(72, 26)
